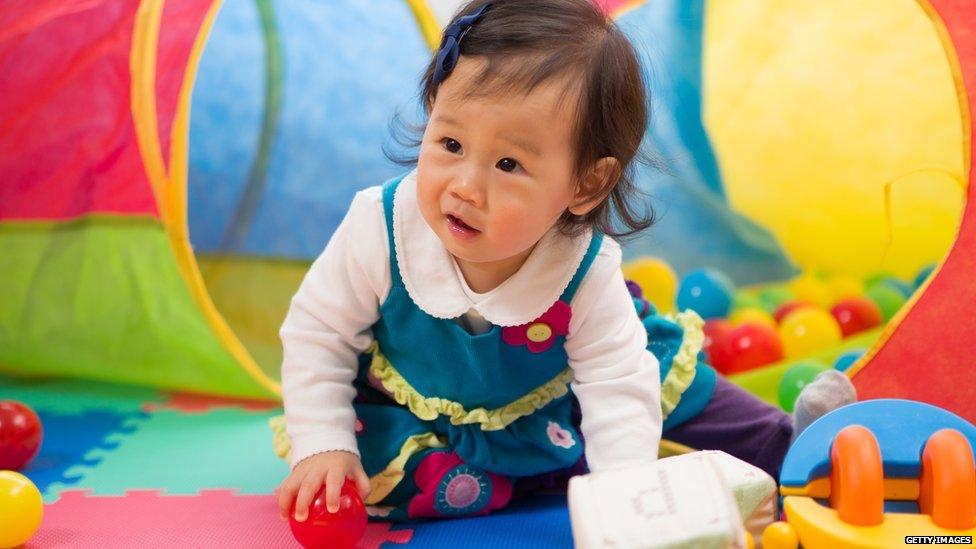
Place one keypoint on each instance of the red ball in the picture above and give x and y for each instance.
(856, 314)
(716, 330)
(333, 530)
(788, 308)
(20, 434)
(751, 346)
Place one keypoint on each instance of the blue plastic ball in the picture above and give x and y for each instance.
(904, 289)
(845, 360)
(923, 275)
(706, 291)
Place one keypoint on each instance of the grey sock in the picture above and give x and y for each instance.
(828, 391)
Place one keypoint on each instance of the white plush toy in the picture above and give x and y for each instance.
(702, 499)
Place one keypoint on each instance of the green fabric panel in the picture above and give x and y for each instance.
(102, 298)
(253, 295)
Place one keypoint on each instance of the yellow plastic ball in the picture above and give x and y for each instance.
(21, 509)
(808, 330)
(780, 535)
(657, 280)
(812, 290)
(752, 315)
(844, 287)
(750, 541)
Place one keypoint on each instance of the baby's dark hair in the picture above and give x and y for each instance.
(526, 43)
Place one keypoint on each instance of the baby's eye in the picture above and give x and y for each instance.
(507, 165)
(451, 145)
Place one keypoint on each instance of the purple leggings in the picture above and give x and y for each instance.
(734, 421)
(739, 424)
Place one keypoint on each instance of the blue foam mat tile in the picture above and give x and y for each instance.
(541, 521)
(68, 441)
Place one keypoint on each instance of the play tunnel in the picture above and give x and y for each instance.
(169, 169)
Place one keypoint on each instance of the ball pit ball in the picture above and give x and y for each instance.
(716, 330)
(706, 291)
(795, 379)
(923, 275)
(876, 278)
(21, 509)
(20, 434)
(657, 280)
(844, 286)
(904, 289)
(855, 315)
(807, 330)
(747, 299)
(785, 309)
(752, 315)
(774, 297)
(888, 299)
(338, 530)
(751, 346)
(780, 535)
(812, 290)
(847, 359)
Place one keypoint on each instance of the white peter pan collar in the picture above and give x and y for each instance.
(429, 274)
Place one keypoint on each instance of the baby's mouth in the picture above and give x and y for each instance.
(460, 227)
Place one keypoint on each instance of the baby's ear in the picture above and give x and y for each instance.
(596, 184)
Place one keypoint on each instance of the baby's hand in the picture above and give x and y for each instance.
(328, 468)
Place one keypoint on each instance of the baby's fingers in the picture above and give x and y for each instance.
(362, 483)
(310, 486)
(286, 494)
(333, 489)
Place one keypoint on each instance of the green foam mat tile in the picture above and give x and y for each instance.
(179, 453)
(73, 396)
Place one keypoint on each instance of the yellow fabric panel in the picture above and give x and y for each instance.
(814, 107)
(253, 296)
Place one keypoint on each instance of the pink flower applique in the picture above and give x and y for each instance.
(541, 333)
(450, 487)
(559, 436)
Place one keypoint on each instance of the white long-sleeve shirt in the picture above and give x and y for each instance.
(616, 380)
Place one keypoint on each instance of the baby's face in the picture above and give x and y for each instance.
(503, 165)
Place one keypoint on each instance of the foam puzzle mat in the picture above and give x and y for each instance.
(130, 467)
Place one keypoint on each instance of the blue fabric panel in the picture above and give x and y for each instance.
(347, 67)
(697, 227)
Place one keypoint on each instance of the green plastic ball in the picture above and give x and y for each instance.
(774, 297)
(795, 379)
(746, 299)
(887, 298)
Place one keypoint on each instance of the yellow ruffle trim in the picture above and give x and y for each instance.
(428, 408)
(385, 481)
(683, 366)
(280, 441)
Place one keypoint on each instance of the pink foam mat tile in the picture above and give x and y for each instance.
(190, 403)
(146, 518)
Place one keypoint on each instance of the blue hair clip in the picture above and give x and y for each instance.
(451, 44)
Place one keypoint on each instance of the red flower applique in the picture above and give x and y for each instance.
(541, 333)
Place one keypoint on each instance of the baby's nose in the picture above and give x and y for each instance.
(467, 189)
